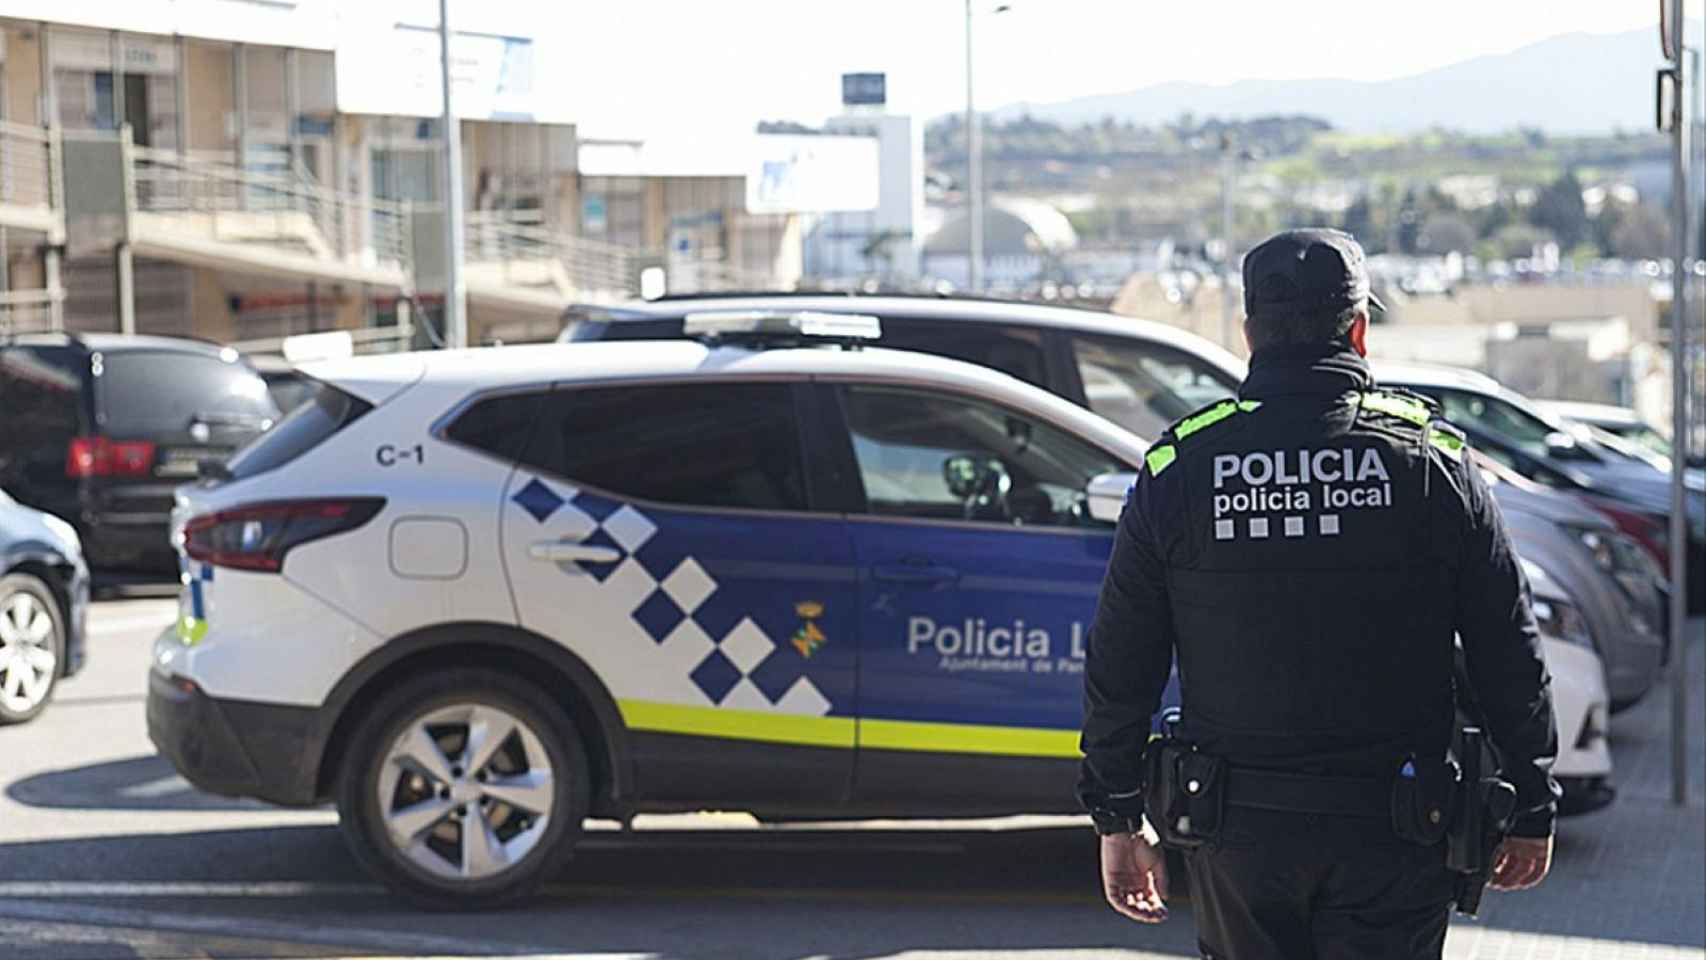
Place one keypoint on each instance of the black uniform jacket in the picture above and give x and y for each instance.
(1308, 553)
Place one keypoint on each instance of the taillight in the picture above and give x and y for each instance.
(100, 457)
(1648, 532)
(257, 536)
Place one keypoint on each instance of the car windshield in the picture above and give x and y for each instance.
(1502, 419)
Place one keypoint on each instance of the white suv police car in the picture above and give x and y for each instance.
(474, 597)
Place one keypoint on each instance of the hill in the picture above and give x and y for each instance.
(1574, 83)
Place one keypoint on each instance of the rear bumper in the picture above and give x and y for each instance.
(76, 621)
(1582, 708)
(129, 542)
(236, 748)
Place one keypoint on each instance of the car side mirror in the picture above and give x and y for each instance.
(1107, 493)
(1564, 447)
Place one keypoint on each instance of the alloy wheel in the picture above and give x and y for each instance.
(466, 791)
(27, 659)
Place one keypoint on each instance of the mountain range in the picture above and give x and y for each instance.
(1573, 83)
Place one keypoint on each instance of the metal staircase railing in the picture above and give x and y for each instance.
(216, 201)
(530, 255)
(31, 189)
(27, 311)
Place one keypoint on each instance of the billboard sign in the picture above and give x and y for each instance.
(811, 173)
(864, 89)
(397, 71)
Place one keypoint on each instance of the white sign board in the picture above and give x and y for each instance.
(397, 72)
(805, 173)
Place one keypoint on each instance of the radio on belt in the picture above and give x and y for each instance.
(782, 327)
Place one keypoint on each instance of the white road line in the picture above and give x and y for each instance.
(39, 889)
(384, 943)
(752, 843)
(153, 623)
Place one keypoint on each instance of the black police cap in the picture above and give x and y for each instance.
(1304, 271)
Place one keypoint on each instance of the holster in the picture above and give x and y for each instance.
(1184, 793)
(1484, 807)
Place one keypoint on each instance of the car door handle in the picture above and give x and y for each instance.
(915, 573)
(555, 550)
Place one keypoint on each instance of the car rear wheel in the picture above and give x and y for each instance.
(32, 646)
(463, 788)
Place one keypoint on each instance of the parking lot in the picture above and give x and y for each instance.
(105, 853)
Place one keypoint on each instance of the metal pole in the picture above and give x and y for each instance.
(1679, 425)
(1228, 336)
(124, 261)
(455, 300)
(974, 173)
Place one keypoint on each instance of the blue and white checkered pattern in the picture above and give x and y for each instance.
(665, 591)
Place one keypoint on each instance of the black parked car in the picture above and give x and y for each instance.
(1139, 374)
(99, 429)
(44, 597)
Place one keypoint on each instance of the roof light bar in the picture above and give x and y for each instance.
(793, 326)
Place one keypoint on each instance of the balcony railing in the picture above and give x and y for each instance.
(31, 188)
(217, 201)
(526, 254)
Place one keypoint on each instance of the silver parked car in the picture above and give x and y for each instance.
(1616, 585)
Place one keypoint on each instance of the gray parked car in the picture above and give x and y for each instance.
(1612, 580)
(1542, 447)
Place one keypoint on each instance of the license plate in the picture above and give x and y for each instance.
(183, 463)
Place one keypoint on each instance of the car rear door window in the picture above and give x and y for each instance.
(1144, 387)
(327, 411)
(703, 444)
(944, 456)
(147, 392)
(1014, 351)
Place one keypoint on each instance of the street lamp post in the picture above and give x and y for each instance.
(1680, 120)
(974, 162)
(974, 169)
(455, 300)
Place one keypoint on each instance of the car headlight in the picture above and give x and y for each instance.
(66, 533)
(1618, 556)
(1560, 620)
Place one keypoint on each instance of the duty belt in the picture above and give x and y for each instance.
(1308, 793)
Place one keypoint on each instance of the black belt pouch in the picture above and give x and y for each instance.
(1185, 794)
(1423, 792)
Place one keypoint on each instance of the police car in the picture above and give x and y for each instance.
(475, 597)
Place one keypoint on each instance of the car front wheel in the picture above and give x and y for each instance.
(465, 788)
(32, 646)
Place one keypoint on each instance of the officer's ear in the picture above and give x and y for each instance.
(1359, 332)
(1249, 341)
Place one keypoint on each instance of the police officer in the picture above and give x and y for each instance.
(1307, 552)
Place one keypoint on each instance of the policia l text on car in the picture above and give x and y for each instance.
(1308, 550)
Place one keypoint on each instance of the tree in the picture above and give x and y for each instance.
(1446, 233)
(1642, 233)
(1359, 221)
(1559, 209)
(1519, 240)
(1409, 228)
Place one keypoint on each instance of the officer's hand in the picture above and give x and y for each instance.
(1520, 863)
(1134, 876)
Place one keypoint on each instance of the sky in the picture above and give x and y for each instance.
(632, 68)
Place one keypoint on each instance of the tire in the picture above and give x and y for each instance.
(407, 814)
(32, 647)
